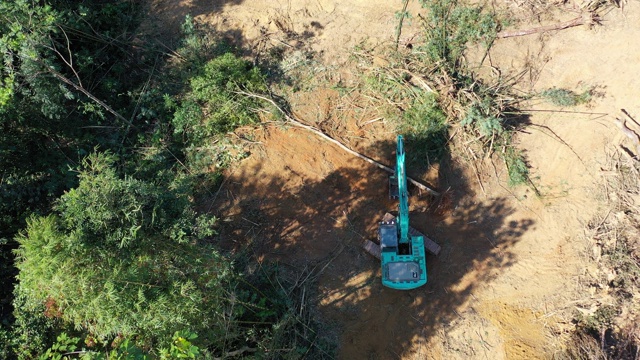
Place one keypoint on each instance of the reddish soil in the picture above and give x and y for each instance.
(511, 265)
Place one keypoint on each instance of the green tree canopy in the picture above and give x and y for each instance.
(68, 69)
(121, 257)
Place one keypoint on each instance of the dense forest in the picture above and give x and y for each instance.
(105, 146)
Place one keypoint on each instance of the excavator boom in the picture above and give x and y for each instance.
(403, 193)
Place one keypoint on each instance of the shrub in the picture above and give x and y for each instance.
(213, 105)
(120, 256)
(450, 28)
(481, 119)
(564, 97)
(425, 127)
(516, 166)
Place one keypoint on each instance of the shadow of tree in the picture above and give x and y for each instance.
(166, 19)
(301, 221)
(171, 14)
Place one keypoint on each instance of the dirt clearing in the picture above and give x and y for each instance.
(512, 265)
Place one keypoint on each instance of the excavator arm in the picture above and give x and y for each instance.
(402, 251)
(403, 193)
(402, 248)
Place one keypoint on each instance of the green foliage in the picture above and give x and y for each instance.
(67, 347)
(424, 125)
(181, 347)
(564, 97)
(47, 125)
(25, 28)
(33, 330)
(213, 105)
(29, 102)
(121, 256)
(480, 116)
(81, 41)
(624, 259)
(121, 259)
(516, 166)
(63, 345)
(391, 86)
(199, 44)
(602, 319)
(451, 27)
(6, 350)
(272, 317)
(484, 120)
(7, 274)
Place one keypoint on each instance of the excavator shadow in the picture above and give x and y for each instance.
(305, 205)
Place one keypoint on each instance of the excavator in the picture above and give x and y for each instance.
(402, 248)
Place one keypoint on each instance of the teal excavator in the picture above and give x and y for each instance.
(402, 248)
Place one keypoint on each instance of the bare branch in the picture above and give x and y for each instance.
(586, 19)
(70, 61)
(622, 124)
(236, 353)
(88, 94)
(318, 132)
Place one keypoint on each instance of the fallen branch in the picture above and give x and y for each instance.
(236, 353)
(62, 78)
(626, 113)
(89, 95)
(587, 19)
(318, 132)
(622, 124)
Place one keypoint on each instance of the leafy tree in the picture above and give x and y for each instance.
(65, 66)
(123, 257)
(180, 347)
(122, 261)
(213, 105)
(58, 58)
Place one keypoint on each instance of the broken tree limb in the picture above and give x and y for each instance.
(62, 78)
(318, 132)
(89, 95)
(235, 353)
(586, 19)
(626, 113)
(622, 124)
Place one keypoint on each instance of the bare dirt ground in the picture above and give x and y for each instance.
(512, 266)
